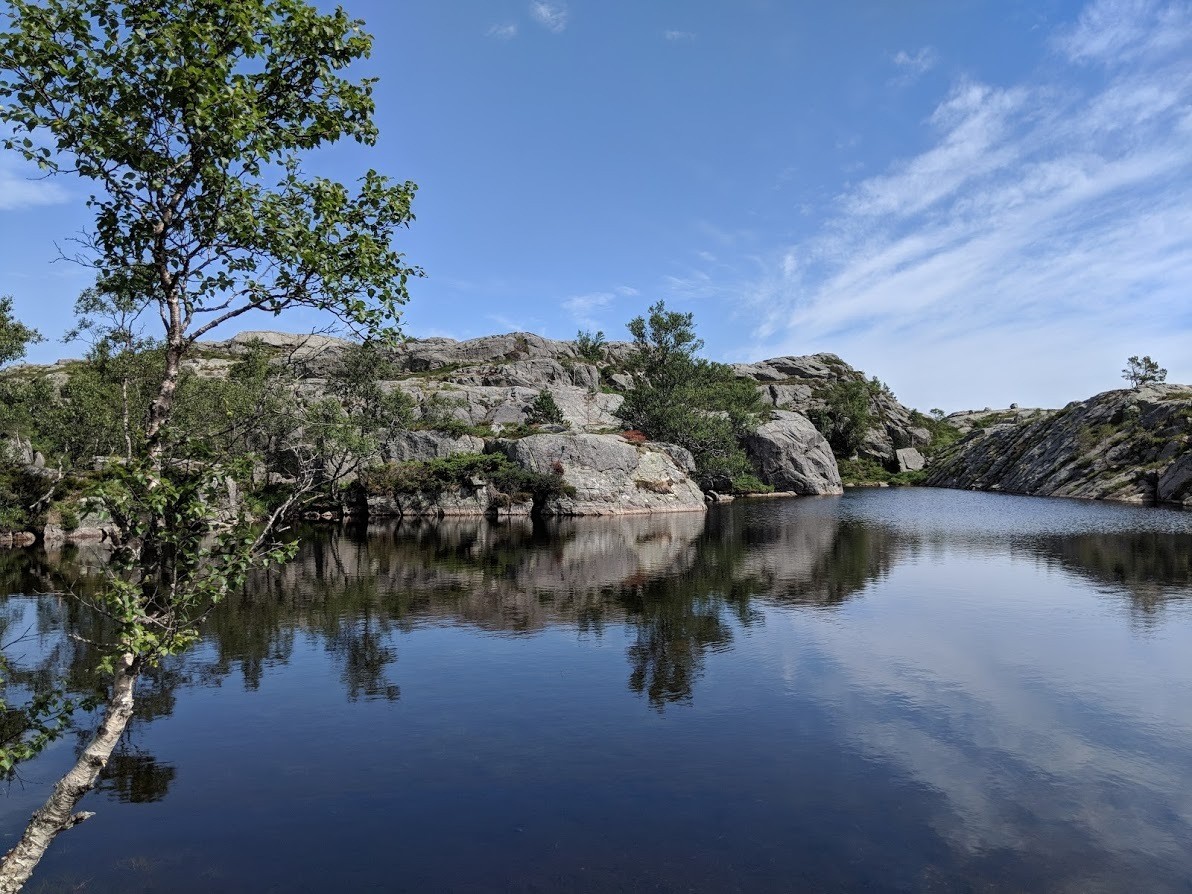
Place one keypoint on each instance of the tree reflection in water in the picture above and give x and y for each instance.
(681, 584)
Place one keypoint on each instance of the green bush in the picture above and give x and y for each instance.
(543, 410)
(845, 416)
(686, 400)
(590, 345)
(751, 484)
(943, 433)
(19, 490)
(438, 475)
(69, 516)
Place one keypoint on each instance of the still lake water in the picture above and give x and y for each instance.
(897, 690)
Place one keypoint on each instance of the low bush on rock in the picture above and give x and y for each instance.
(682, 399)
(438, 475)
(543, 410)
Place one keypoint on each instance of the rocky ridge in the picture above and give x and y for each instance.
(801, 384)
(476, 397)
(488, 385)
(1130, 445)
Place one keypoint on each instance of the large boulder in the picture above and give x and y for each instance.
(406, 446)
(790, 454)
(803, 385)
(610, 475)
(910, 460)
(16, 450)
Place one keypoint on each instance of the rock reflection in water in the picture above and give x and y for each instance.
(1153, 567)
(800, 672)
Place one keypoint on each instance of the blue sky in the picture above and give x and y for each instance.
(979, 202)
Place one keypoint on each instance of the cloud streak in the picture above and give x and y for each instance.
(584, 308)
(502, 32)
(19, 189)
(913, 65)
(551, 16)
(1047, 229)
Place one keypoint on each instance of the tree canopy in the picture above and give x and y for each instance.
(15, 337)
(190, 117)
(686, 400)
(1143, 371)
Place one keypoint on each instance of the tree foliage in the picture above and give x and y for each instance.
(1143, 371)
(590, 345)
(15, 336)
(544, 410)
(686, 400)
(845, 415)
(189, 119)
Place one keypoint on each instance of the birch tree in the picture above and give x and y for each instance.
(189, 121)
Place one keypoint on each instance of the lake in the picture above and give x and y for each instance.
(895, 690)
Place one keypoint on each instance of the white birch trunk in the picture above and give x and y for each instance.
(57, 814)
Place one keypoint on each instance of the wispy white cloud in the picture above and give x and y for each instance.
(20, 188)
(1047, 229)
(503, 32)
(552, 16)
(512, 324)
(584, 309)
(912, 65)
(678, 35)
(1117, 31)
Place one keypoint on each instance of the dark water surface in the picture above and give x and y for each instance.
(895, 690)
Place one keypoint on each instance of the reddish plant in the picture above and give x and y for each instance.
(633, 436)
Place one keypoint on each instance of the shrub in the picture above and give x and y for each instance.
(438, 415)
(751, 484)
(685, 400)
(654, 487)
(438, 475)
(590, 345)
(845, 416)
(543, 410)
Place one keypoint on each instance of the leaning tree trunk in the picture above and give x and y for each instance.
(57, 814)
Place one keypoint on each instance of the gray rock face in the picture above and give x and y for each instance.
(968, 420)
(793, 456)
(799, 384)
(489, 405)
(92, 527)
(436, 353)
(297, 345)
(610, 475)
(910, 460)
(1128, 445)
(405, 446)
(1175, 484)
(16, 450)
(539, 373)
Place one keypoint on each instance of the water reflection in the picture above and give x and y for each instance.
(1153, 567)
(136, 777)
(679, 582)
(924, 689)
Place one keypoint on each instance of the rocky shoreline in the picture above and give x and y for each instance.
(1128, 445)
(475, 399)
